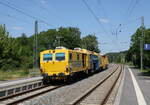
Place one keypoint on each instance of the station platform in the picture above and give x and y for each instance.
(134, 88)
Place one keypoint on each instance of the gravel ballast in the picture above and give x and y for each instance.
(68, 93)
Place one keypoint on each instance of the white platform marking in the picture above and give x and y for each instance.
(139, 95)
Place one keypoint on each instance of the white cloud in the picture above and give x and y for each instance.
(43, 2)
(17, 28)
(103, 20)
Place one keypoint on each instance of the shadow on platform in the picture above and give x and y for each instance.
(141, 75)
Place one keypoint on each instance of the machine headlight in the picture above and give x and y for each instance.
(41, 70)
(67, 68)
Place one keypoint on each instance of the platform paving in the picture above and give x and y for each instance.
(128, 93)
(22, 80)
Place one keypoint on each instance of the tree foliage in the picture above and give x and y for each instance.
(90, 42)
(19, 52)
(117, 57)
(133, 54)
(8, 50)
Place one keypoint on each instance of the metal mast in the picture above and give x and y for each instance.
(141, 42)
(36, 46)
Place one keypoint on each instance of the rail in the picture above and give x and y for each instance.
(18, 91)
(86, 94)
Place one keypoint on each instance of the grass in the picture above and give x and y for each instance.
(16, 74)
(129, 63)
(142, 71)
(145, 70)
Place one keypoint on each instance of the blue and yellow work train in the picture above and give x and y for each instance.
(62, 63)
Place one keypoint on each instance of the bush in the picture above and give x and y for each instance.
(24, 72)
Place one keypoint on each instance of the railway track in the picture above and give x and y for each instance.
(14, 92)
(99, 94)
(18, 98)
(25, 96)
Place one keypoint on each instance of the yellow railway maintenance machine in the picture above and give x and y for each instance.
(61, 63)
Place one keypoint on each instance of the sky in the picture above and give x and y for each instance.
(121, 16)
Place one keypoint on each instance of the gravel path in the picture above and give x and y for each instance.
(68, 93)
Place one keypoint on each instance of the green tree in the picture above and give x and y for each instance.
(71, 37)
(18, 52)
(25, 51)
(133, 53)
(3, 43)
(118, 57)
(46, 39)
(90, 42)
(8, 50)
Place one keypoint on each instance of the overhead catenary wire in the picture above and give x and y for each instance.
(40, 6)
(105, 14)
(103, 9)
(48, 11)
(133, 7)
(129, 6)
(130, 22)
(23, 12)
(97, 19)
(110, 25)
(128, 11)
(15, 18)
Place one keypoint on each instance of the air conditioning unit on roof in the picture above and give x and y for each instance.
(77, 49)
(60, 47)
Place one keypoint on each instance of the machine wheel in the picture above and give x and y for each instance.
(69, 79)
(87, 72)
(45, 81)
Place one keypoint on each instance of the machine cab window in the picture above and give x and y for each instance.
(60, 56)
(47, 57)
